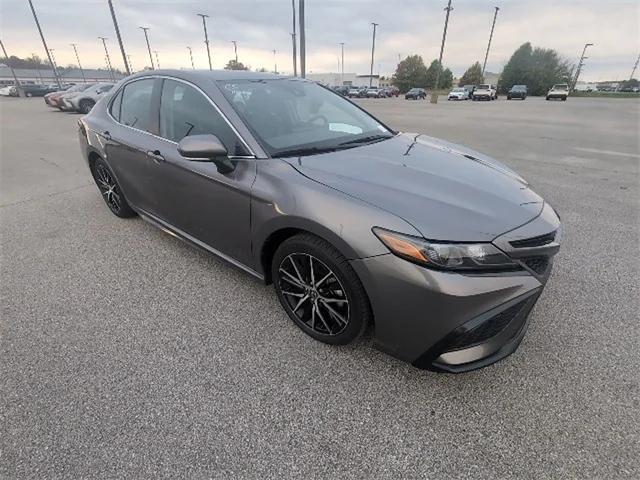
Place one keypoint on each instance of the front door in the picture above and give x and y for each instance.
(193, 196)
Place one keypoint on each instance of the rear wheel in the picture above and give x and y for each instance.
(29, 94)
(85, 106)
(110, 190)
(319, 290)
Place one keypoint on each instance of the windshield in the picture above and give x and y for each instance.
(483, 87)
(518, 87)
(562, 86)
(292, 117)
(458, 90)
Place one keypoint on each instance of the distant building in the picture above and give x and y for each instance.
(45, 75)
(333, 79)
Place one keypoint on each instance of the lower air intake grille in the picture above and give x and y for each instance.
(537, 264)
(485, 330)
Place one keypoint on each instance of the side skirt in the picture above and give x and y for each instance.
(185, 237)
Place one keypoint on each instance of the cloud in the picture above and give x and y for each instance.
(259, 26)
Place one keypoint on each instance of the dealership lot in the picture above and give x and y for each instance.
(126, 353)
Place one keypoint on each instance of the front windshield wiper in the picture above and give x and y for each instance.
(367, 139)
(299, 152)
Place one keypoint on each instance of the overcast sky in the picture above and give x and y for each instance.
(259, 26)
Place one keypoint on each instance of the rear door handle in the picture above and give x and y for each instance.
(156, 156)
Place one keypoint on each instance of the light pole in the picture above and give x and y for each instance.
(106, 52)
(146, 37)
(580, 64)
(303, 46)
(44, 43)
(434, 94)
(130, 64)
(15, 77)
(55, 64)
(484, 65)
(373, 49)
(235, 49)
(293, 39)
(206, 37)
(75, 49)
(157, 59)
(115, 25)
(191, 57)
(342, 63)
(275, 62)
(633, 72)
(37, 63)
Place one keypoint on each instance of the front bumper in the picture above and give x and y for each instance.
(456, 322)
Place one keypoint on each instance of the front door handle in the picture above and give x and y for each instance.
(156, 156)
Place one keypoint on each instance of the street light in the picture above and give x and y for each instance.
(146, 37)
(104, 42)
(342, 63)
(130, 64)
(235, 49)
(293, 39)
(303, 41)
(44, 43)
(157, 59)
(191, 57)
(115, 25)
(275, 62)
(373, 48)
(581, 63)
(434, 94)
(484, 65)
(75, 49)
(206, 37)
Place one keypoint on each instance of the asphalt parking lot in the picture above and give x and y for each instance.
(125, 353)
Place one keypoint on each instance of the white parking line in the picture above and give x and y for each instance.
(608, 152)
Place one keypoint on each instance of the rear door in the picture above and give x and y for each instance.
(130, 139)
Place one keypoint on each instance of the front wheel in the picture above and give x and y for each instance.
(319, 290)
(547, 98)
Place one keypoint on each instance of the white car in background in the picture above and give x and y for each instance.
(84, 101)
(458, 93)
(485, 92)
(559, 90)
(9, 91)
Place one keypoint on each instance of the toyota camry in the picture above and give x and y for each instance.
(441, 249)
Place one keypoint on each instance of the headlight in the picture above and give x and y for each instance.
(445, 256)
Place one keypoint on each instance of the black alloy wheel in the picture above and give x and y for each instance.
(319, 290)
(86, 106)
(110, 190)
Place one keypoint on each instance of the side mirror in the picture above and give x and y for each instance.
(206, 148)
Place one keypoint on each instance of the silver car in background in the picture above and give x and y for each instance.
(84, 100)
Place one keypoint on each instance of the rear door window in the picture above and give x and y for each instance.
(135, 109)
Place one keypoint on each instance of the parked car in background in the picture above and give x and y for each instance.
(559, 90)
(9, 91)
(37, 90)
(517, 91)
(341, 89)
(84, 101)
(485, 91)
(446, 248)
(458, 93)
(375, 92)
(53, 99)
(470, 89)
(391, 91)
(416, 94)
(354, 92)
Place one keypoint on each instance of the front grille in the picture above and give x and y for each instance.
(538, 264)
(486, 330)
(538, 241)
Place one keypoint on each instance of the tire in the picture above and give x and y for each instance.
(28, 94)
(547, 98)
(110, 191)
(564, 99)
(85, 106)
(335, 281)
(508, 97)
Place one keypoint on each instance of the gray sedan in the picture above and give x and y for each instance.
(441, 249)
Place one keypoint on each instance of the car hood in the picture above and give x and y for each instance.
(446, 191)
